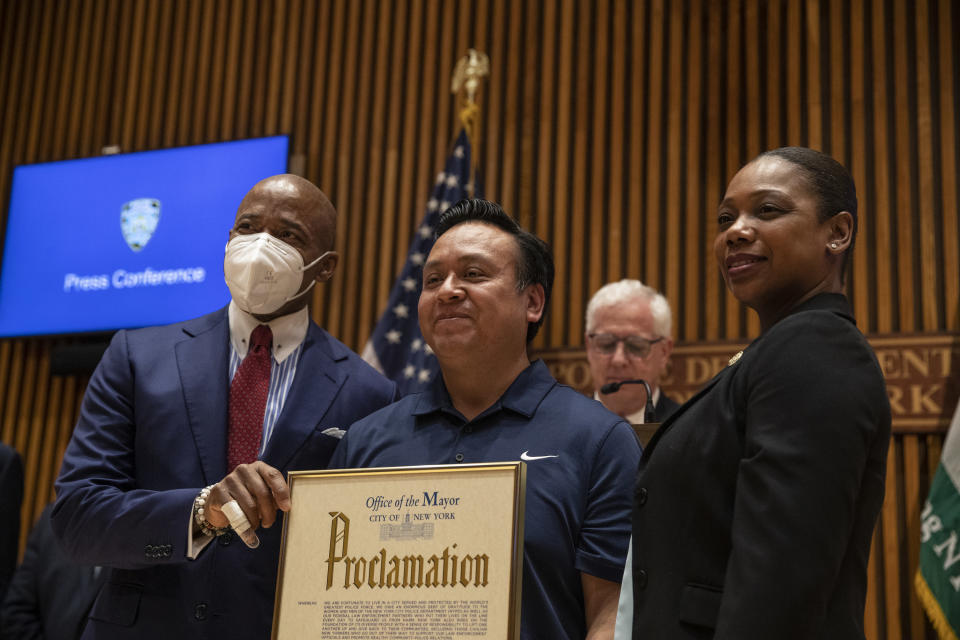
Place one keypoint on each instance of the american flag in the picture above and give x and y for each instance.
(396, 348)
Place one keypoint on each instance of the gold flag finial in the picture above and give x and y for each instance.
(466, 77)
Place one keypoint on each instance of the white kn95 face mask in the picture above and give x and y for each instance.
(264, 273)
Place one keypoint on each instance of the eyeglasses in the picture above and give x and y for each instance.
(636, 346)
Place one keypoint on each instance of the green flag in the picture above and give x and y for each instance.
(938, 576)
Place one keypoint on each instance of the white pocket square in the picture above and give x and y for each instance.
(333, 432)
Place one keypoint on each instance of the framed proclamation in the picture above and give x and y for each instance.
(403, 553)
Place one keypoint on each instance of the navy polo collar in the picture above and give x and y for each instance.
(523, 396)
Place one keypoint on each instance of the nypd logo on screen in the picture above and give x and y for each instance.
(138, 221)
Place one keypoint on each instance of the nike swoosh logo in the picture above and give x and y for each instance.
(524, 456)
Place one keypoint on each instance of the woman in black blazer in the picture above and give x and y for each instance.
(756, 502)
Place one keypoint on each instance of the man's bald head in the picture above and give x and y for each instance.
(298, 194)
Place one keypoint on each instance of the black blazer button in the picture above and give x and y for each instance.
(458, 457)
(642, 496)
(200, 611)
(640, 579)
(225, 539)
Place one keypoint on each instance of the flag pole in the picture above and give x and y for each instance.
(465, 82)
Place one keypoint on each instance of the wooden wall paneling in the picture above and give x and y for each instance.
(795, 103)
(891, 544)
(839, 81)
(529, 112)
(862, 259)
(814, 97)
(654, 143)
(715, 182)
(947, 62)
(406, 209)
(499, 162)
(426, 166)
(85, 67)
(381, 184)
(18, 357)
(34, 405)
(616, 140)
(273, 26)
(732, 154)
(601, 236)
(316, 40)
(47, 145)
(929, 255)
(8, 33)
(774, 78)
(562, 173)
(696, 216)
(232, 35)
(294, 62)
(346, 143)
(336, 102)
(26, 95)
(912, 506)
(393, 244)
(191, 44)
(48, 464)
(903, 204)
(127, 74)
(581, 132)
(547, 156)
(214, 60)
(250, 51)
(11, 49)
(447, 122)
(368, 183)
(172, 104)
(885, 284)
(479, 36)
(149, 76)
(7, 363)
(34, 118)
(109, 102)
(265, 81)
(68, 19)
(753, 65)
(517, 116)
(671, 257)
(638, 96)
(209, 77)
(24, 392)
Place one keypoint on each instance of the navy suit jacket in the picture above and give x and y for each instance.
(152, 432)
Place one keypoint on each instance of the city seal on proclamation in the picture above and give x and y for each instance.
(402, 553)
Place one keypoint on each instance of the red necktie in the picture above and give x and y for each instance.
(248, 400)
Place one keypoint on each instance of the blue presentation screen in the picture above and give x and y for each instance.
(126, 240)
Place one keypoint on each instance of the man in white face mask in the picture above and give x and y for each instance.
(174, 476)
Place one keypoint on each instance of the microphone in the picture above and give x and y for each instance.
(613, 387)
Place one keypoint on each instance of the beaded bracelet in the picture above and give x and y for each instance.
(198, 504)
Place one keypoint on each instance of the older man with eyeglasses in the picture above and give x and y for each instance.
(628, 337)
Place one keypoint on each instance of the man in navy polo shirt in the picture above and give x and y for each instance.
(486, 285)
